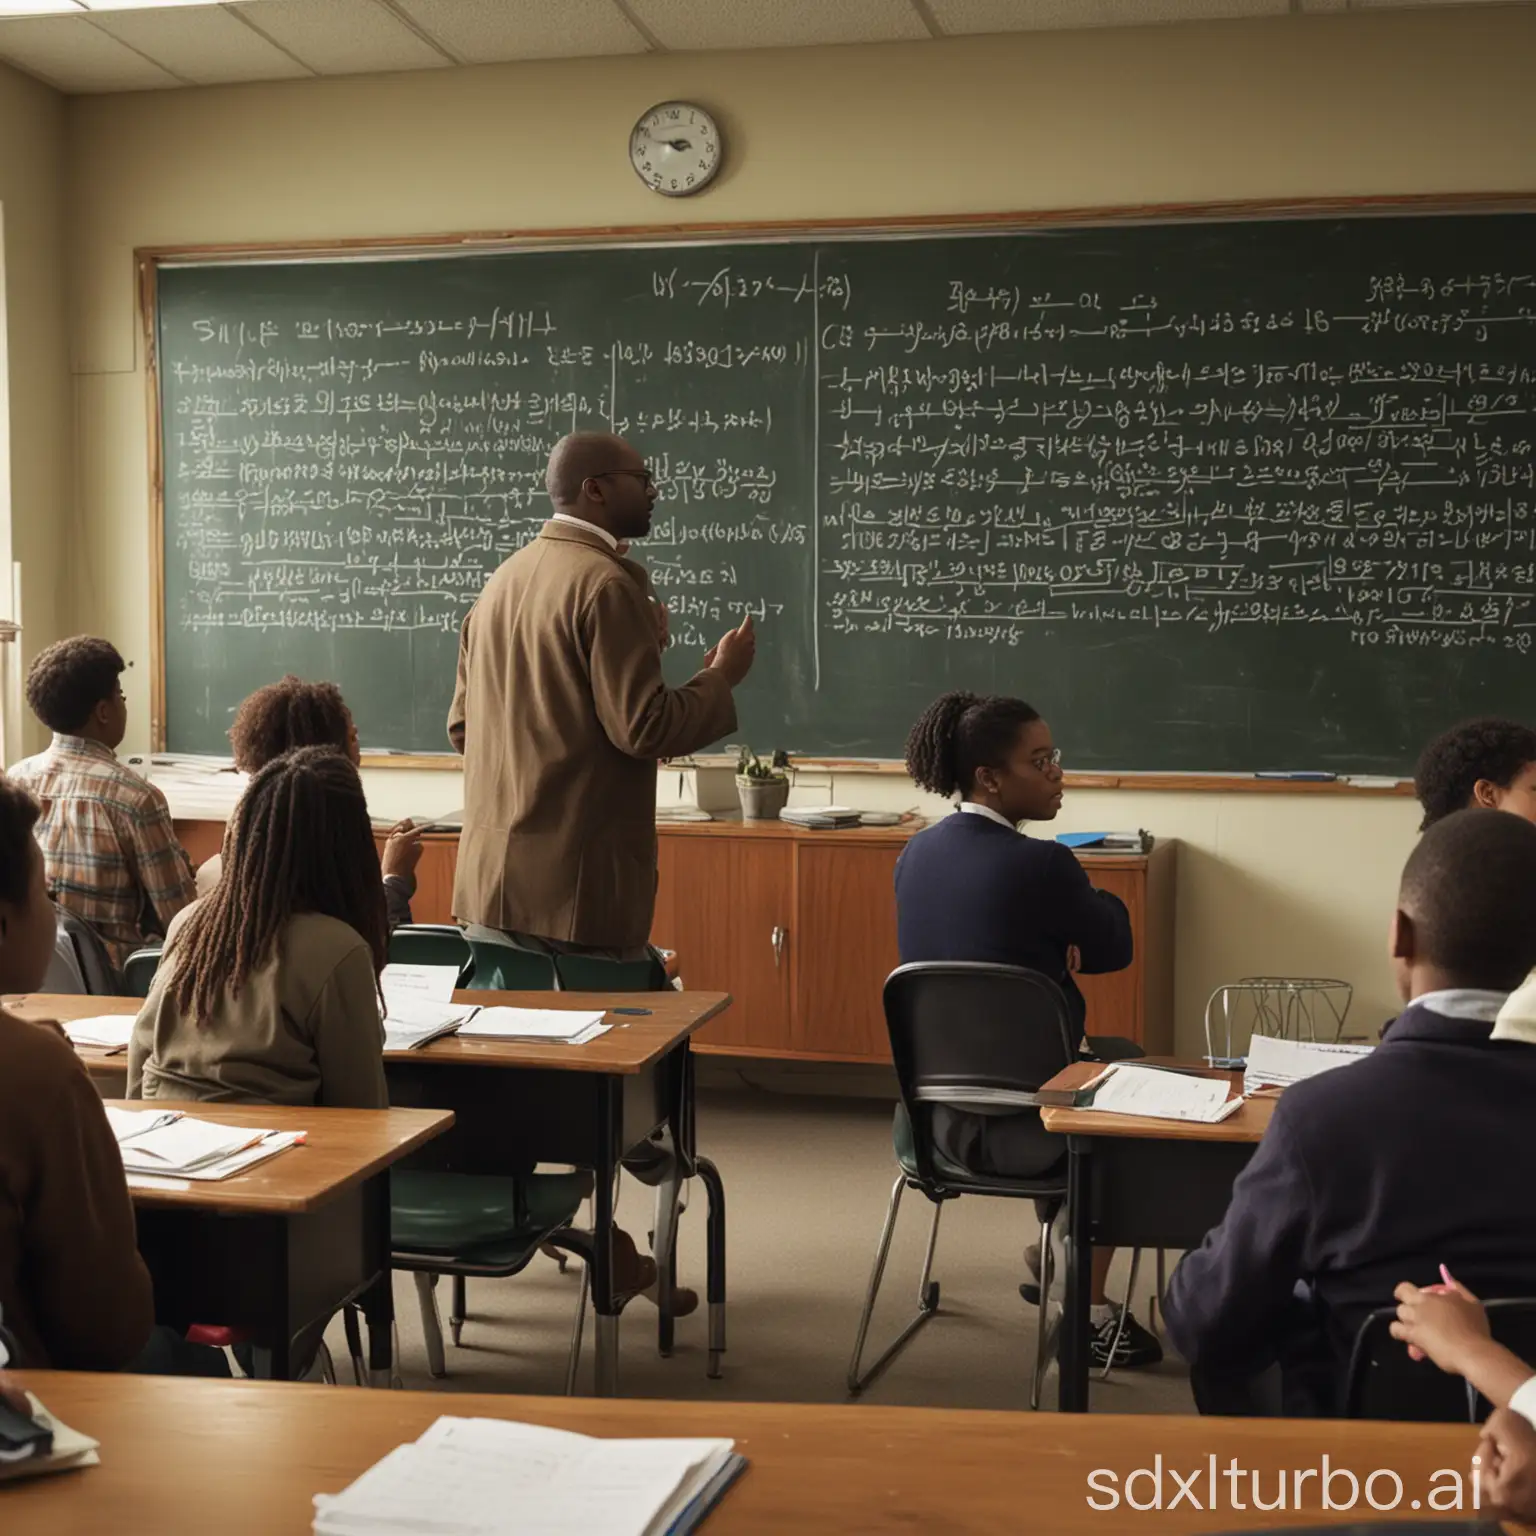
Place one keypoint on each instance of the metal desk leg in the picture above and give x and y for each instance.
(1072, 1360)
(607, 1330)
(665, 1251)
(378, 1301)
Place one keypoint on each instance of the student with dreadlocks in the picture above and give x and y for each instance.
(289, 714)
(971, 887)
(268, 992)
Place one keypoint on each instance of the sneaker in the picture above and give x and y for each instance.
(1030, 1289)
(685, 1300)
(633, 1272)
(1137, 1347)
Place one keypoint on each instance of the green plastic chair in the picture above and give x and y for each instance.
(589, 973)
(139, 971)
(502, 966)
(432, 944)
(463, 1224)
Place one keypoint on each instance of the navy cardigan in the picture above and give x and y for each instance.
(969, 888)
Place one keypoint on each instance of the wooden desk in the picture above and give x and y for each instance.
(1134, 1182)
(800, 927)
(519, 1103)
(257, 1452)
(310, 1228)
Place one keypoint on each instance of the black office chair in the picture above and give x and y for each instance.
(980, 1038)
(1383, 1382)
(590, 973)
(502, 966)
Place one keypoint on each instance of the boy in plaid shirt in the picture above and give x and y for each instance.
(109, 850)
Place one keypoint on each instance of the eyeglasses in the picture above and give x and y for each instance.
(1043, 762)
(644, 476)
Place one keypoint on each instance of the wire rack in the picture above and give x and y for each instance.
(1288, 1007)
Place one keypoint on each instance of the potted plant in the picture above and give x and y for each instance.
(762, 788)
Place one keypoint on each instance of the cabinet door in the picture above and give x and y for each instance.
(719, 901)
(1115, 999)
(845, 947)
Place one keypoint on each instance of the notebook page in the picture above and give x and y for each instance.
(440, 1490)
(1129, 1090)
(186, 1143)
(113, 1030)
(557, 1024)
(1283, 1062)
(134, 1122)
(428, 983)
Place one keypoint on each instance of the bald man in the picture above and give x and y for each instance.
(562, 714)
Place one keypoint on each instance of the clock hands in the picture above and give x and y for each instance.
(678, 144)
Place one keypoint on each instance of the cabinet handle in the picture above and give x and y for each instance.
(779, 936)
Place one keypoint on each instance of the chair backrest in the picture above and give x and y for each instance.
(1383, 1382)
(139, 970)
(81, 964)
(591, 973)
(432, 944)
(974, 1036)
(502, 966)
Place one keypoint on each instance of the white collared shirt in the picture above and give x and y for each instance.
(972, 809)
(1517, 1018)
(581, 522)
(1463, 1003)
(1523, 1401)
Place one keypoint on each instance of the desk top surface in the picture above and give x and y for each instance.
(256, 1452)
(628, 1048)
(342, 1148)
(1246, 1124)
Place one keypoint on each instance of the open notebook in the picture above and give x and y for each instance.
(169, 1145)
(485, 1477)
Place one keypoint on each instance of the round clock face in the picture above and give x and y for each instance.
(675, 149)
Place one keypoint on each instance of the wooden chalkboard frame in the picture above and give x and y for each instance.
(149, 259)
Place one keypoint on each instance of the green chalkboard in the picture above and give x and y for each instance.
(1215, 495)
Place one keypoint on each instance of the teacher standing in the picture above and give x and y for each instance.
(562, 713)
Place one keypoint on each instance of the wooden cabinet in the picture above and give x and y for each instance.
(726, 905)
(800, 928)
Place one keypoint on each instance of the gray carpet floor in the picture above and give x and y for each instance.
(807, 1178)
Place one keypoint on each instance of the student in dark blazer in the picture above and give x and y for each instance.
(1386, 1169)
(972, 887)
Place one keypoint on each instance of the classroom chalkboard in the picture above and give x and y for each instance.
(1214, 494)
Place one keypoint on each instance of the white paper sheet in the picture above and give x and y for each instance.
(111, 1030)
(1279, 1063)
(561, 1026)
(1133, 1090)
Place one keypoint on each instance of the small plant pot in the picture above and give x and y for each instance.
(761, 799)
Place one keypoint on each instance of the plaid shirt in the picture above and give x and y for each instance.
(111, 854)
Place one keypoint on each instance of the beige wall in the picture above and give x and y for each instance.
(1383, 103)
(32, 192)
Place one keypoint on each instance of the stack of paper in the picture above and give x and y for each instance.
(486, 1477)
(1279, 1063)
(820, 816)
(1126, 1089)
(112, 1031)
(161, 1144)
(556, 1026)
(419, 1006)
(70, 1449)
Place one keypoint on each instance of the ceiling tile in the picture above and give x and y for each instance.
(684, 24)
(967, 16)
(342, 37)
(202, 44)
(486, 31)
(77, 56)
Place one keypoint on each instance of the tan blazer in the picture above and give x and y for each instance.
(565, 713)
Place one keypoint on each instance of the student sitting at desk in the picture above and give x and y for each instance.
(110, 850)
(971, 887)
(268, 989)
(74, 1292)
(1480, 763)
(290, 714)
(1384, 1168)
